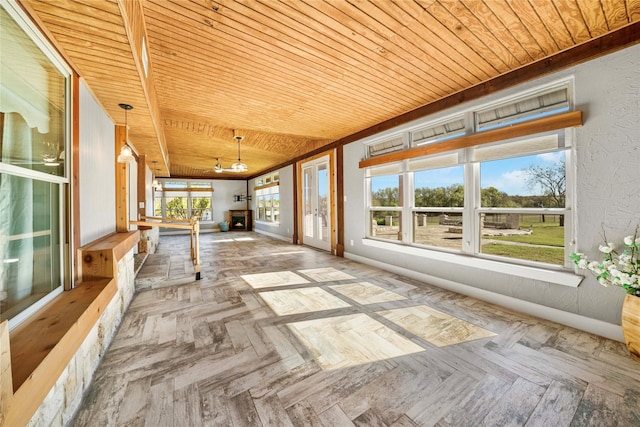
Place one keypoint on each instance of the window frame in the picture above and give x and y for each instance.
(62, 182)
(472, 209)
(267, 191)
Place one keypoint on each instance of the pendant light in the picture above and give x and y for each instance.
(236, 167)
(126, 154)
(239, 166)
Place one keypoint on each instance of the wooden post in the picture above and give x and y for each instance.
(122, 188)
(142, 187)
(6, 379)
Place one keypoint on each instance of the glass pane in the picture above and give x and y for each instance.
(176, 207)
(157, 206)
(307, 203)
(268, 208)
(276, 208)
(30, 256)
(201, 208)
(534, 181)
(32, 101)
(532, 237)
(439, 187)
(323, 207)
(442, 229)
(386, 225)
(386, 190)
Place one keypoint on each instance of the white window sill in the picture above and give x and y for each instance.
(552, 276)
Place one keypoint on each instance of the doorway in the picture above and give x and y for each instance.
(316, 203)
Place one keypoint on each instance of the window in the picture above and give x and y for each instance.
(385, 203)
(268, 198)
(439, 202)
(386, 146)
(34, 123)
(184, 200)
(507, 200)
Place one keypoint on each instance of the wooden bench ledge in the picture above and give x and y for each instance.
(34, 340)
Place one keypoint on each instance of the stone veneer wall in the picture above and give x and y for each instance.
(65, 398)
(149, 240)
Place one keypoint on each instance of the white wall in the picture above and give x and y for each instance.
(607, 90)
(97, 173)
(223, 202)
(283, 229)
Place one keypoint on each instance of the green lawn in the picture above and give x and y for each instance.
(531, 253)
(549, 234)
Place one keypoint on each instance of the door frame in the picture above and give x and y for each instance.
(332, 197)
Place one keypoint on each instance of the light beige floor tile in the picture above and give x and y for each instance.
(343, 341)
(438, 328)
(366, 293)
(305, 300)
(326, 274)
(274, 279)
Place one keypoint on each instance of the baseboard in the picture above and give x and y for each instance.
(587, 324)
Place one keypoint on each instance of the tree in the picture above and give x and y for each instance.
(552, 181)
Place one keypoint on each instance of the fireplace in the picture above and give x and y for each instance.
(240, 220)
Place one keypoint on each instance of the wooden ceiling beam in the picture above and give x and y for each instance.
(134, 25)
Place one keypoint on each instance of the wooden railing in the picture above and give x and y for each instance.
(193, 225)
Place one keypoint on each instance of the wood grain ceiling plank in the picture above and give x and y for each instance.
(306, 66)
(443, 24)
(304, 90)
(574, 18)
(491, 22)
(431, 83)
(615, 13)
(299, 44)
(535, 26)
(406, 38)
(633, 10)
(325, 39)
(554, 23)
(406, 44)
(511, 20)
(480, 33)
(320, 15)
(432, 39)
(270, 38)
(81, 29)
(594, 17)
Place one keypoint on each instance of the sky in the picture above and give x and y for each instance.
(508, 175)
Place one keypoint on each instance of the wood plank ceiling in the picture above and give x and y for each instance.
(294, 75)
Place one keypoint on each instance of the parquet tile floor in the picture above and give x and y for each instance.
(282, 335)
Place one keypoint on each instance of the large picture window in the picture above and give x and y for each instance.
(34, 118)
(184, 200)
(504, 200)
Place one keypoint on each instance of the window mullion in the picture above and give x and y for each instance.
(471, 221)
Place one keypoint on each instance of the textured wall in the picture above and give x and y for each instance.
(607, 149)
(97, 154)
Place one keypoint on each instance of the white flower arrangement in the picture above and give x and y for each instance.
(617, 268)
